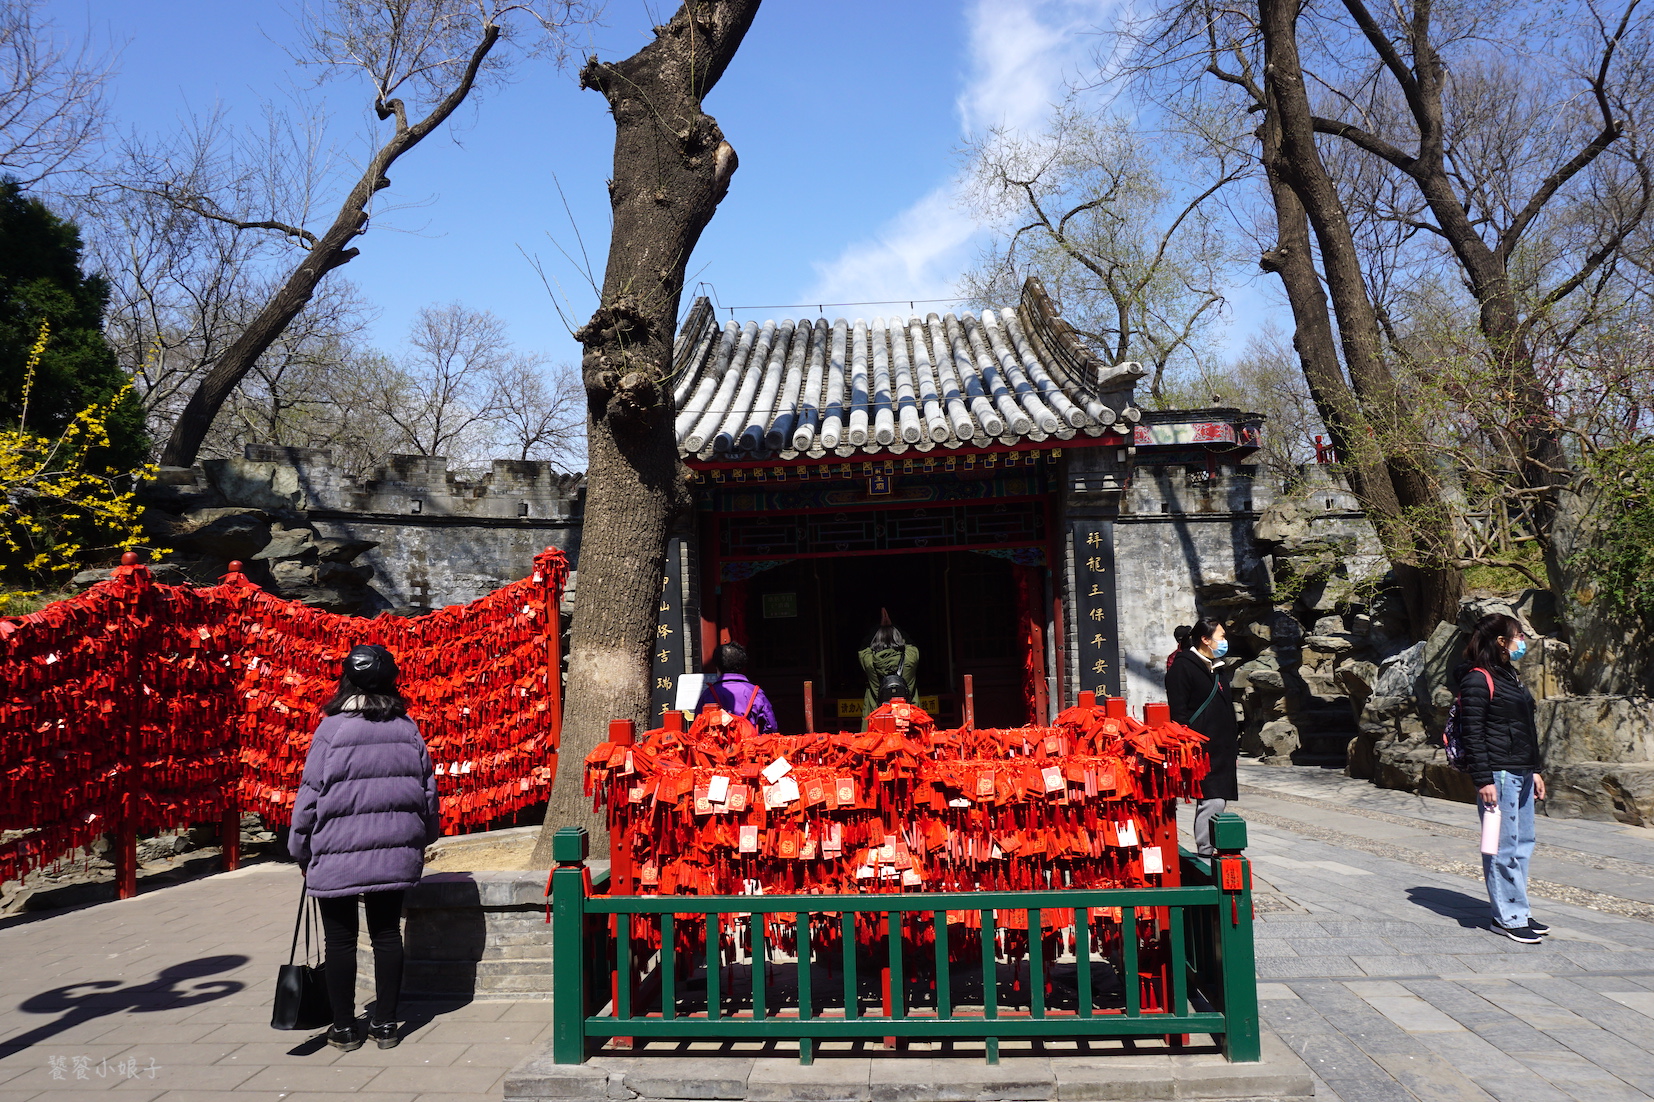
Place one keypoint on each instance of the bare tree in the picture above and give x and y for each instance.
(1428, 163)
(1490, 157)
(539, 413)
(298, 392)
(1135, 259)
(183, 288)
(441, 396)
(51, 95)
(672, 167)
(422, 59)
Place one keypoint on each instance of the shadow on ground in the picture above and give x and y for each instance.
(1470, 911)
(93, 999)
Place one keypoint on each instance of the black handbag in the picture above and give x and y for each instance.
(301, 989)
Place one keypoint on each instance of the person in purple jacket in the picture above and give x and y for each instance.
(734, 693)
(366, 809)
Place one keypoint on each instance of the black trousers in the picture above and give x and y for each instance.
(339, 929)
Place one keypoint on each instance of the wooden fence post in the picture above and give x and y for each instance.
(569, 847)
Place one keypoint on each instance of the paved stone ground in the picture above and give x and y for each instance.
(1377, 967)
(1376, 963)
(176, 986)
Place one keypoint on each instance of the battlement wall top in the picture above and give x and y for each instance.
(424, 484)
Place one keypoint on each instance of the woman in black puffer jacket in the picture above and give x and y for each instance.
(1500, 741)
(1199, 698)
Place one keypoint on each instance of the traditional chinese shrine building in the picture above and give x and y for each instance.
(987, 478)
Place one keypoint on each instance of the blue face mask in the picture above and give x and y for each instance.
(1220, 648)
(1519, 650)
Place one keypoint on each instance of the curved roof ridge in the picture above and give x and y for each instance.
(813, 387)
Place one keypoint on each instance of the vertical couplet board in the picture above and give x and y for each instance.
(670, 640)
(1096, 607)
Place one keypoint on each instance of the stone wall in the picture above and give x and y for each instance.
(439, 538)
(411, 537)
(1183, 542)
(1308, 656)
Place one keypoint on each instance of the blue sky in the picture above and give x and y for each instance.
(846, 115)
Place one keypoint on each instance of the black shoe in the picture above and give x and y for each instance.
(1524, 934)
(1538, 927)
(384, 1034)
(348, 1040)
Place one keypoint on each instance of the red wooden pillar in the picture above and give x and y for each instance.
(970, 702)
(1031, 627)
(124, 839)
(229, 824)
(622, 732)
(229, 839)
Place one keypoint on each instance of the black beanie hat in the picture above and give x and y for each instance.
(370, 668)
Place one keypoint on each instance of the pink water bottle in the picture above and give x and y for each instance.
(1490, 829)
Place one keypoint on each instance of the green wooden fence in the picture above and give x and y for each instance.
(607, 986)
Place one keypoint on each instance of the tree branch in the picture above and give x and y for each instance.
(1372, 143)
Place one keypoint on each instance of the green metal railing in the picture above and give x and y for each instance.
(606, 986)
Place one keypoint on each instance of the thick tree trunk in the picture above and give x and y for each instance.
(1292, 259)
(1422, 542)
(1536, 445)
(196, 419)
(671, 168)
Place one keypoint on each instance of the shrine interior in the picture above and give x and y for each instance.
(806, 619)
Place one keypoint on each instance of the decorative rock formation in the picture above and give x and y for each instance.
(238, 509)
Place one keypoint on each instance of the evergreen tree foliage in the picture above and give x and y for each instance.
(41, 280)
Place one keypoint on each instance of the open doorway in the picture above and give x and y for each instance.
(806, 619)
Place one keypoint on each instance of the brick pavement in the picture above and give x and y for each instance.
(176, 986)
(1382, 975)
(1378, 972)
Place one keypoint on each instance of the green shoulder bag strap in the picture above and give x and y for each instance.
(1209, 698)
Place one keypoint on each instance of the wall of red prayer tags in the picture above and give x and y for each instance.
(140, 706)
(721, 809)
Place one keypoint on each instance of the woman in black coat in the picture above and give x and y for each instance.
(1200, 699)
(1499, 738)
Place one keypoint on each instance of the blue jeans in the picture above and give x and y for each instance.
(1506, 872)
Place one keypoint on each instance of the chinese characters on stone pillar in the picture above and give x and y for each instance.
(1095, 609)
(669, 634)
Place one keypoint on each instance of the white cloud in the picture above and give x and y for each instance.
(1021, 52)
(916, 255)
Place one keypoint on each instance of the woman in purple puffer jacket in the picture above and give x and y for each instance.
(366, 810)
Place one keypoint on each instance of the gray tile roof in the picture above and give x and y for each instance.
(809, 389)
